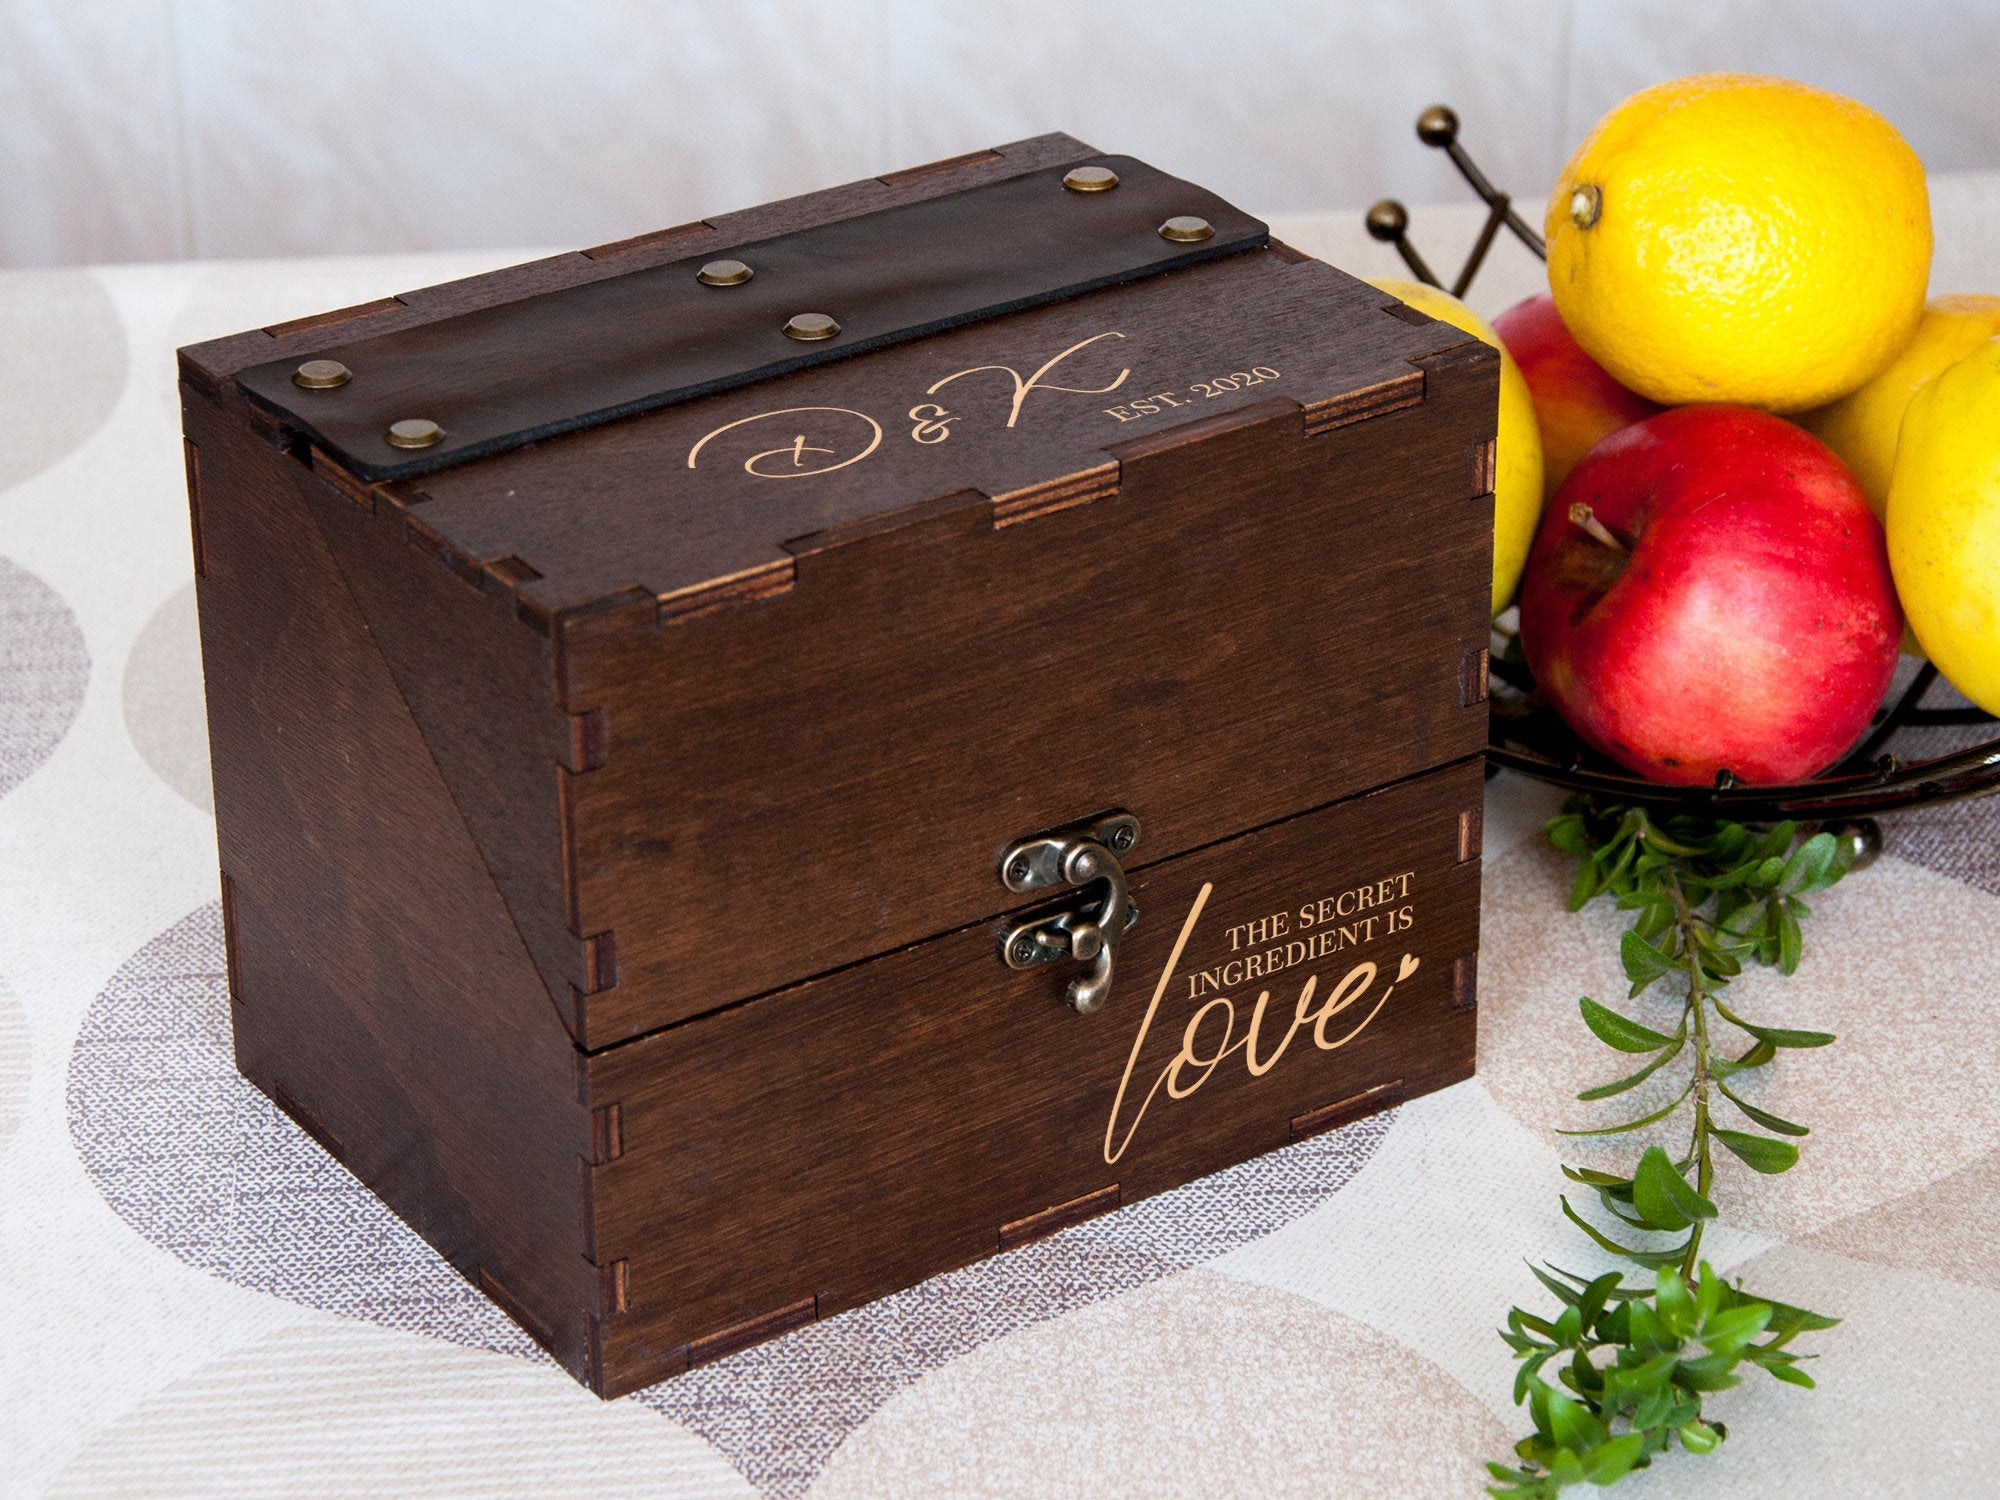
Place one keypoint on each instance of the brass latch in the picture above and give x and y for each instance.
(1085, 856)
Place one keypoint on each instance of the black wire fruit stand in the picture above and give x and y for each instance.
(1527, 735)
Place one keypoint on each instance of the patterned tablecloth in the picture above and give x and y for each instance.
(199, 1302)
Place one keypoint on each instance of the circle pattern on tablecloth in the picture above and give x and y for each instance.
(44, 670)
(331, 1410)
(62, 367)
(203, 1165)
(1199, 1384)
(165, 712)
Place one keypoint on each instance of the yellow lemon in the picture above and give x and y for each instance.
(1944, 522)
(1517, 482)
(1730, 237)
(1861, 426)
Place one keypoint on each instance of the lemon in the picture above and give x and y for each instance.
(1731, 237)
(1861, 426)
(1517, 459)
(1944, 522)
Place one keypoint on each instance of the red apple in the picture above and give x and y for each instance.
(1710, 591)
(1577, 403)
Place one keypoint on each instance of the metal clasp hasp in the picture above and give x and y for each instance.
(1085, 856)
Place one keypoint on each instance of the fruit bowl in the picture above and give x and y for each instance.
(1897, 764)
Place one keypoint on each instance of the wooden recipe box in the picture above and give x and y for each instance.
(739, 793)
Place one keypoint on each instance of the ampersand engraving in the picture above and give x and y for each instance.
(933, 423)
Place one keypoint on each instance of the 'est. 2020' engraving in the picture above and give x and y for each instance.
(1267, 946)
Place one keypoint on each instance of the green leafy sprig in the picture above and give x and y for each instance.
(1633, 1364)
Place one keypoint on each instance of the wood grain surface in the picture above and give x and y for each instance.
(1255, 622)
(384, 994)
(610, 841)
(859, 1132)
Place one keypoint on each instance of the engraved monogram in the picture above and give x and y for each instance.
(825, 438)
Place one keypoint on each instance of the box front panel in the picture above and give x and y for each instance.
(822, 1146)
(1256, 620)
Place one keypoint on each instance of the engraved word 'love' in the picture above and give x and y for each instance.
(1193, 1066)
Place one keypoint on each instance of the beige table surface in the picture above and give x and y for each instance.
(198, 1302)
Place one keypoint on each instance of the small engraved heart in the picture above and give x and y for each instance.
(1409, 967)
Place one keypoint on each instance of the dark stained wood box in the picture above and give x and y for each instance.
(619, 797)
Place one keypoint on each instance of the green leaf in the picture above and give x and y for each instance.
(1568, 1329)
(1775, 1035)
(1571, 1424)
(1568, 833)
(1605, 1242)
(1633, 1080)
(1661, 844)
(1530, 1368)
(1655, 918)
(1643, 962)
(1616, 879)
(1762, 1116)
(1699, 1437)
(1663, 1196)
(1790, 941)
(1644, 1120)
(1673, 1303)
(1808, 862)
(1648, 1334)
(1591, 1177)
(1708, 1294)
(1711, 1372)
(1759, 1152)
(1585, 885)
(1610, 1462)
(1569, 1296)
(1789, 1319)
(1774, 842)
(1759, 1054)
(1728, 1331)
(1618, 1031)
(1653, 1410)
(1596, 1295)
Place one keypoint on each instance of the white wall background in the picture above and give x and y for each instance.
(158, 129)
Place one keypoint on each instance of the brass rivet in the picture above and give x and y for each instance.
(1091, 180)
(1585, 204)
(414, 432)
(724, 273)
(1186, 228)
(321, 374)
(807, 327)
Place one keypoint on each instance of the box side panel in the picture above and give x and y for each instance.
(1252, 620)
(480, 685)
(807, 1151)
(381, 992)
